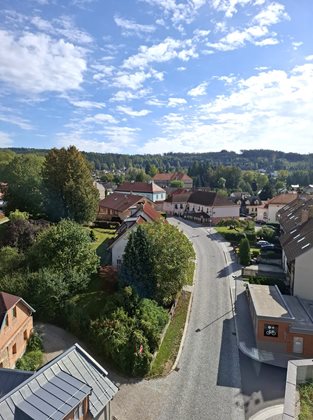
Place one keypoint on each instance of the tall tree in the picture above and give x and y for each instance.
(157, 261)
(68, 186)
(244, 251)
(24, 179)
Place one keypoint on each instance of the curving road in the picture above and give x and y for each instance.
(207, 384)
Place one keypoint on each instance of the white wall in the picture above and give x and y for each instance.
(118, 248)
(262, 214)
(152, 196)
(272, 211)
(303, 280)
(227, 211)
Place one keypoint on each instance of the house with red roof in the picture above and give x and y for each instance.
(145, 213)
(16, 325)
(149, 190)
(164, 179)
(201, 206)
(118, 206)
(269, 210)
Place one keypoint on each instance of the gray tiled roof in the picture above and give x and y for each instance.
(75, 363)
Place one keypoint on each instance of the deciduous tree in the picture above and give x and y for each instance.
(68, 186)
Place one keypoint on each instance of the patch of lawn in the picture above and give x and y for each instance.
(191, 270)
(101, 244)
(167, 353)
(306, 401)
(90, 303)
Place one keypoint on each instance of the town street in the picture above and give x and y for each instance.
(207, 383)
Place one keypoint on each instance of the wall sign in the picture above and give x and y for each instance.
(270, 330)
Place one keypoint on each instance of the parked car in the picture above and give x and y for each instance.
(260, 222)
(262, 243)
(268, 247)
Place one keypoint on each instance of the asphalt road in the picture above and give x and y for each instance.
(213, 381)
(207, 385)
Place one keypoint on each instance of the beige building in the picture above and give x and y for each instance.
(269, 210)
(16, 325)
(164, 179)
(282, 323)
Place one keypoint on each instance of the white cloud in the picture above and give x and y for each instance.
(5, 140)
(87, 104)
(135, 80)
(230, 7)
(131, 112)
(155, 102)
(16, 120)
(272, 107)
(198, 90)
(173, 102)
(127, 95)
(181, 68)
(100, 119)
(296, 45)
(272, 14)
(178, 11)
(131, 27)
(266, 41)
(309, 57)
(159, 53)
(37, 63)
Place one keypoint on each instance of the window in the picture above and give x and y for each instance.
(14, 349)
(14, 312)
(25, 335)
(6, 320)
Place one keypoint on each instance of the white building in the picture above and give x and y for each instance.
(146, 189)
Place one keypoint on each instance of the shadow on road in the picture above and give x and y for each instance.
(228, 369)
(228, 270)
(213, 322)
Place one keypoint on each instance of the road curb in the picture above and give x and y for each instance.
(181, 346)
(268, 412)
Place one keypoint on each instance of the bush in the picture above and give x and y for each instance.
(229, 222)
(92, 235)
(244, 251)
(255, 253)
(30, 361)
(233, 236)
(34, 342)
(250, 235)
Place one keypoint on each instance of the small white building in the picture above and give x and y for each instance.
(268, 211)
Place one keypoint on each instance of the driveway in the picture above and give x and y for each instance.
(55, 340)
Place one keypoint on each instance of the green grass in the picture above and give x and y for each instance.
(225, 229)
(190, 272)
(90, 303)
(167, 353)
(306, 401)
(101, 244)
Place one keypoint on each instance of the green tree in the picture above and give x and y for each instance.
(177, 184)
(68, 186)
(244, 251)
(9, 260)
(6, 156)
(267, 192)
(163, 268)
(65, 247)
(24, 184)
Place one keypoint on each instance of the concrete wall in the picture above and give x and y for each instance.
(14, 336)
(303, 277)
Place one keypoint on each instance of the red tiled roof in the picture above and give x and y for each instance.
(7, 301)
(139, 187)
(172, 176)
(151, 212)
(120, 202)
(283, 199)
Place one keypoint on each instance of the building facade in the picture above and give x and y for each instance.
(16, 326)
(149, 190)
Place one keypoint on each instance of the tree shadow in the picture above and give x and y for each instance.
(103, 252)
(228, 270)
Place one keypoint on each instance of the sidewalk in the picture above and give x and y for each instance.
(243, 321)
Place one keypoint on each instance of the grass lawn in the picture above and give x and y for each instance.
(90, 302)
(167, 353)
(101, 244)
(306, 401)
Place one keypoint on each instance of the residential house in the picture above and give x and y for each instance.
(118, 206)
(146, 189)
(71, 386)
(282, 323)
(164, 179)
(201, 206)
(269, 210)
(249, 204)
(144, 214)
(296, 221)
(16, 325)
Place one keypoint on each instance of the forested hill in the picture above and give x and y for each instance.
(248, 159)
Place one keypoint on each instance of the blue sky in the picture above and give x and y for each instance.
(155, 76)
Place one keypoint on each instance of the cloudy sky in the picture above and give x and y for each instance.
(154, 76)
